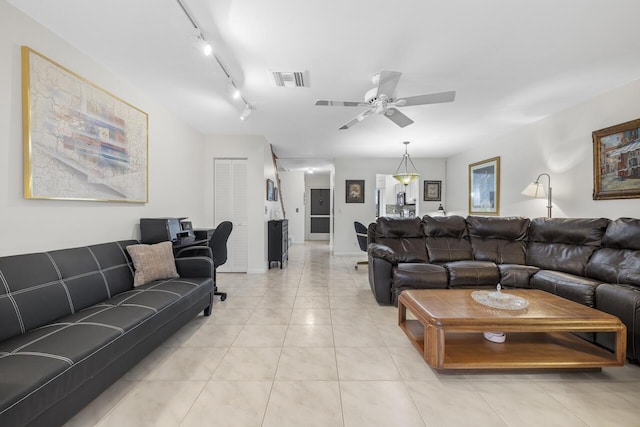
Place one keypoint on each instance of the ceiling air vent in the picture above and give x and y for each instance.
(291, 78)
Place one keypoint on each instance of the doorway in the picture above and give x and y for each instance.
(319, 214)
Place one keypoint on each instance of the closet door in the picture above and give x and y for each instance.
(230, 204)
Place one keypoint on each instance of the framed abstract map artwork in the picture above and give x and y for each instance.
(80, 142)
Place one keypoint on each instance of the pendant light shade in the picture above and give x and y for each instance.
(403, 175)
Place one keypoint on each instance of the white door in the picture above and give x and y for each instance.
(230, 204)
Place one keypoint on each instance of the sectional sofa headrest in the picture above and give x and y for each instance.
(399, 227)
(573, 231)
(444, 226)
(623, 233)
(506, 228)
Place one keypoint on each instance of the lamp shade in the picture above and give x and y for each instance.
(535, 189)
(406, 178)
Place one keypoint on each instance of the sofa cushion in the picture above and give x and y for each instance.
(444, 226)
(468, 274)
(398, 227)
(447, 238)
(516, 275)
(404, 236)
(500, 240)
(564, 244)
(152, 262)
(569, 286)
(573, 231)
(623, 233)
(417, 276)
(615, 266)
(39, 288)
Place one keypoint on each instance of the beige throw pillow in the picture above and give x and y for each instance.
(152, 262)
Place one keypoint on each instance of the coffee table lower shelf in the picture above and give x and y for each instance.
(522, 350)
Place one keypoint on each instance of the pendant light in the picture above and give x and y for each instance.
(402, 173)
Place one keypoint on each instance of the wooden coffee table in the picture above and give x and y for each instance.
(449, 326)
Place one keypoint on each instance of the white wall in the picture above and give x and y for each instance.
(560, 145)
(345, 242)
(254, 149)
(175, 153)
(292, 186)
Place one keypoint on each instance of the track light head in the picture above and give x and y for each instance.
(246, 113)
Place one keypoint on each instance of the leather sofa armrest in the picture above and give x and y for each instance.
(377, 250)
(197, 266)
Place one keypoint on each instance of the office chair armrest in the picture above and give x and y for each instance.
(195, 266)
(377, 250)
(193, 249)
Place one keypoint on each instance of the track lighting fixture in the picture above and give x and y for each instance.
(207, 49)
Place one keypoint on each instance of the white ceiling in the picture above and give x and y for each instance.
(511, 63)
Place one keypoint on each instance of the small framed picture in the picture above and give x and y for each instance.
(432, 191)
(354, 191)
(275, 194)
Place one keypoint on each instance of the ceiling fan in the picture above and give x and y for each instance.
(382, 100)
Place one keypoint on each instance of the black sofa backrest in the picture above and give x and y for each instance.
(447, 238)
(38, 288)
(618, 261)
(564, 244)
(404, 236)
(501, 240)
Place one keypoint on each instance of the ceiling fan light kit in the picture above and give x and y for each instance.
(382, 100)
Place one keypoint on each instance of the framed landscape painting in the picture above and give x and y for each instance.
(484, 187)
(616, 161)
(80, 141)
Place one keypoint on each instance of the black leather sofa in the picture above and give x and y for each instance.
(593, 261)
(72, 323)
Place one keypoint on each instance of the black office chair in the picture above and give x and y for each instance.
(217, 251)
(361, 235)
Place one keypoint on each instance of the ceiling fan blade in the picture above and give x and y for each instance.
(360, 117)
(397, 117)
(431, 98)
(340, 103)
(387, 83)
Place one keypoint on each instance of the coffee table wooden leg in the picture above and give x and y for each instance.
(402, 313)
(621, 345)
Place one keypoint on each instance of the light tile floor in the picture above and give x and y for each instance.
(309, 346)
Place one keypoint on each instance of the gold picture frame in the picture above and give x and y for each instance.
(616, 165)
(80, 142)
(484, 187)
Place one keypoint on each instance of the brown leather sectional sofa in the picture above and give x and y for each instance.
(593, 261)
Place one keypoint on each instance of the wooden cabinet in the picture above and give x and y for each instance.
(278, 241)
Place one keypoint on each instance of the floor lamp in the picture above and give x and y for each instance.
(536, 189)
